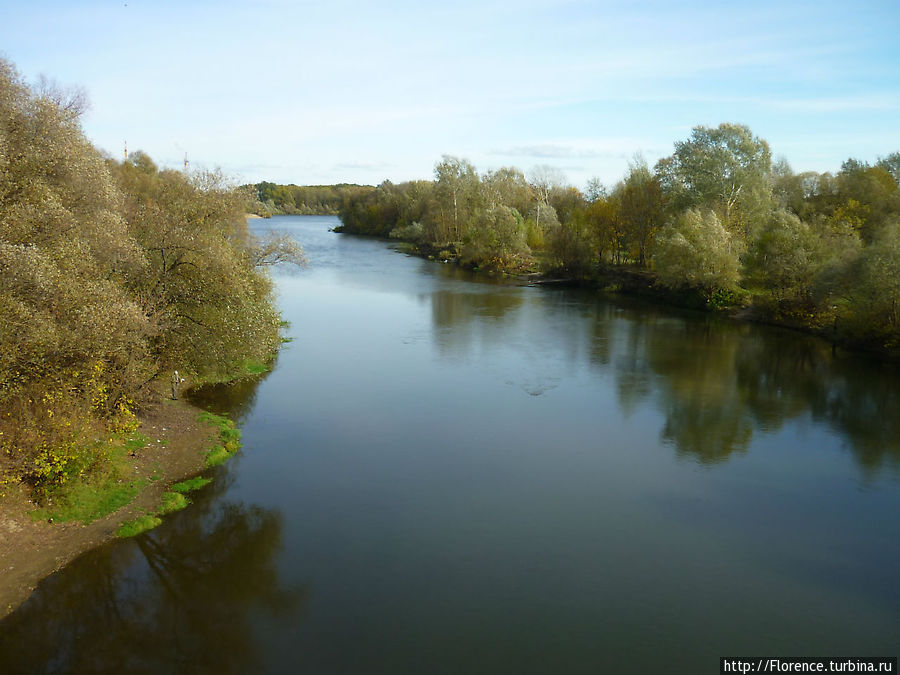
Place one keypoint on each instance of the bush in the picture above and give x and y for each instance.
(697, 251)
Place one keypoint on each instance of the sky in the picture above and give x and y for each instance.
(348, 91)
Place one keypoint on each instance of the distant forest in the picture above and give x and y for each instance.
(304, 200)
(716, 224)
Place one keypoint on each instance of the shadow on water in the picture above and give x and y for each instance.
(233, 399)
(177, 599)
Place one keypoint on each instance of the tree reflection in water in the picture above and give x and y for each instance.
(719, 383)
(179, 598)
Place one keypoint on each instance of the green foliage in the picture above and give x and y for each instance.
(414, 233)
(875, 289)
(191, 484)
(171, 502)
(784, 256)
(139, 525)
(573, 246)
(722, 298)
(307, 200)
(85, 502)
(229, 439)
(697, 251)
(726, 169)
(495, 240)
(458, 196)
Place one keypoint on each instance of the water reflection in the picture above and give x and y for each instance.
(180, 598)
(234, 399)
(716, 384)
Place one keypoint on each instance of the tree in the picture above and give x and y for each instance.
(604, 215)
(784, 256)
(542, 222)
(872, 190)
(573, 245)
(697, 251)
(594, 190)
(456, 188)
(496, 240)
(567, 202)
(876, 288)
(642, 205)
(891, 164)
(544, 181)
(726, 169)
(507, 187)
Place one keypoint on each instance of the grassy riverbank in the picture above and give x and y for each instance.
(147, 475)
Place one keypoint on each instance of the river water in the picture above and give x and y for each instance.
(449, 473)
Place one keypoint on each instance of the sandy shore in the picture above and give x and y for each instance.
(30, 550)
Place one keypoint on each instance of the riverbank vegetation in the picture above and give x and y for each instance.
(717, 224)
(112, 275)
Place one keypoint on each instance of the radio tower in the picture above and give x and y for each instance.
(185, 163)
(126, 149)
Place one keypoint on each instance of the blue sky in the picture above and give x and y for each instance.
(315, 92)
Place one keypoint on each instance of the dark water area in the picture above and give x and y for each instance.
(445, 473)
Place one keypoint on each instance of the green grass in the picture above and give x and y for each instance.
(254, 367)
(135, 527)
(135, 442)
(89, 500)
(105, 488)
(217, 456)
(191, 484)
(229, 439)
(108, 487)
(171, 502)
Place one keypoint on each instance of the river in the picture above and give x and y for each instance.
(451, 473)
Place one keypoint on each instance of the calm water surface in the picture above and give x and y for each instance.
(448, 474)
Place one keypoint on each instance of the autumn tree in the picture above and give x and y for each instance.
(641, 207)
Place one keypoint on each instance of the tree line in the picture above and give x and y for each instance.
(303, 200)
(111, 274)
(718, 223)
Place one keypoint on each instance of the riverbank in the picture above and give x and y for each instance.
(741, 306)
(32, 549)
